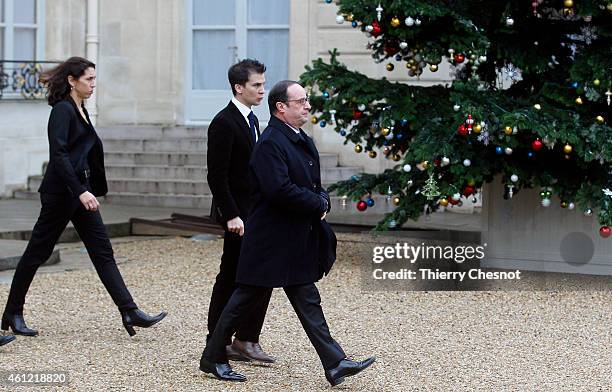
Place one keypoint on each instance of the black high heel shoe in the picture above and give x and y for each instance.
(17, 324)
(138, 318)
(6, 339)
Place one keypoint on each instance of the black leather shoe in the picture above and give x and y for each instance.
(138, 318)
(346, 368)
(6, 339)
(222, 371)
(17, 324)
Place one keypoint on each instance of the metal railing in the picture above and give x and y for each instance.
(21, 79)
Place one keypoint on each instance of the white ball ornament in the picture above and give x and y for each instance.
(403, 45)
(571, 206)
(467, 162)
(445, 161)
(409, 21)
(545, 202)
(339, 19)
(514, 178)
(407, 168)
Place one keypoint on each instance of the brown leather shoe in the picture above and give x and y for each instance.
(252, 351)
(235, 355)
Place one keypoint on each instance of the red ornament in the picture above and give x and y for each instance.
(605, 231)
(462, 130)
(468, 190)
(459, 57)
(453, 201)
(536, 145)
(357, 114)
(362, 205)
(376, 30)
(391, 49)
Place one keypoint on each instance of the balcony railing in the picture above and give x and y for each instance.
(21, 79)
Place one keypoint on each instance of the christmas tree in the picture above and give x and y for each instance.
(529, 101)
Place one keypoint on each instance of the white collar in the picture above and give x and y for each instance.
(294, 129)
(244, 109)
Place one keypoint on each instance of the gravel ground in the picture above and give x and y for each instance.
(424, 341)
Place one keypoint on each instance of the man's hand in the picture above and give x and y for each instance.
(236, 225)
(89, 201)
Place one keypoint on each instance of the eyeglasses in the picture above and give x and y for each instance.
(300, 101)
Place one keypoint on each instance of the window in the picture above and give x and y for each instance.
(236, 29)
(22, 30)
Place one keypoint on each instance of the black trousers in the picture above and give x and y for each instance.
(57, 210)
(306, 303)
(225, 284)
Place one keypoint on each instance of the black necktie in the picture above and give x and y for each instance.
(252, 126)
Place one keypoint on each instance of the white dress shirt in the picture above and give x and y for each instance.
(244, 110)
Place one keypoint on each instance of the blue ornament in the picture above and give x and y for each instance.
(342, 132)
(399, 136)
(323, 123)
(398, 57)
(530, 154)
(328, 1)
(499, 150)
(575, 85)
(404, 122)
(325, 94)
(355, 177)
(370, 202)
(354, 23)
(386, 143)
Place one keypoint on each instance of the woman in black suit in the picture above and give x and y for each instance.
(74, 177)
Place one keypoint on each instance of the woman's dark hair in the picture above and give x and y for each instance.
(56, 79)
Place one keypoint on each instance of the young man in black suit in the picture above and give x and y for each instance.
(287, 242)
(231, 137)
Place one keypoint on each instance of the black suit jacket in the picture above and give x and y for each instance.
(281, 244)
(73, 147)
(229, 151)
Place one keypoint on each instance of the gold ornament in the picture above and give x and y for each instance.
(433, 67)
(568, 11)
(596, 82)
(579, 101)
(425, 165)
(314, 119)
(508, 130)
(396, 157)
(390, 67)
(477, 128)
(358, 148)
(443, 202)
(349, 17)
(599, 119)
(564, 204)
(471, 182)
(396, 201)
(609, 7)
(395, 22)
(568, 149)
(385, 131)
(372, 154)
(568, 3)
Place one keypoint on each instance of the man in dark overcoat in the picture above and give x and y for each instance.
(287, 243)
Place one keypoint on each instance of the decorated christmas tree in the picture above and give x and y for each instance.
(529, 102)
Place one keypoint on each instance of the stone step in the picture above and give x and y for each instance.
(161, 200)
(127, 132)
(328, 160)
(26, 195)
(330, 175)
(158, 186)
(182, 145)
(188, 172)
(155, 158)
